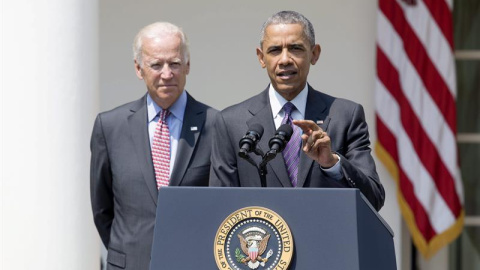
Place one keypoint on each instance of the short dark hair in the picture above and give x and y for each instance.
(290, 17)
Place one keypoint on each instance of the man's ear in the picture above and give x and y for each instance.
(315, 54)
(188, 67)
(138, 69)
(260, 57)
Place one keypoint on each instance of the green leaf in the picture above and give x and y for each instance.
(239, 255)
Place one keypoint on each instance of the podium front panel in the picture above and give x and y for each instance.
(325, 224)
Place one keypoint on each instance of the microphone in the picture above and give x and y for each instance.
(249, 142)
(281, 138)
(277, 143)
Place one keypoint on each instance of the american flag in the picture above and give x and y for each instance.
(416, 117)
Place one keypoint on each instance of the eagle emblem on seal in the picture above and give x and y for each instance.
(253, 242)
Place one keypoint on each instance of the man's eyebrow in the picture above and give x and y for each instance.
(296, 45)
(273, 47)
(153, 62)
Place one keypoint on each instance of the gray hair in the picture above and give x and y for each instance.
(290, 17)
(155, 29)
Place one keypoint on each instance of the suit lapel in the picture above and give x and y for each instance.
(262, 114)
(315, 110)
(137, 122)
(194, 117)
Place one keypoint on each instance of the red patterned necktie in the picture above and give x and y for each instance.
(161, 150)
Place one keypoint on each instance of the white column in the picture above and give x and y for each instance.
(438, 262)
(49, 98)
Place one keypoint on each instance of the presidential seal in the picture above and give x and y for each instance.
(253, 238)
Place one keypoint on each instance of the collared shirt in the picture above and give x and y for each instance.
(277, 102)
(300, 102)
(174, 121)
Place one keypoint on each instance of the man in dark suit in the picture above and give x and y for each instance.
(161, 139)
(335, 147)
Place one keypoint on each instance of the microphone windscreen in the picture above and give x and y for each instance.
(287, 129)
(256, 128)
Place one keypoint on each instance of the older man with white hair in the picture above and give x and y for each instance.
(162, 139)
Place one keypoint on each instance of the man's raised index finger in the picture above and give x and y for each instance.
(306, 125)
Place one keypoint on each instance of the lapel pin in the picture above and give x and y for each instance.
(193, 128)
(319, 122)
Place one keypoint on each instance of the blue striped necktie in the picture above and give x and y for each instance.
(291, 153)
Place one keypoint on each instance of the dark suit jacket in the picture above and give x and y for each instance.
(343, 120)
(122, 179)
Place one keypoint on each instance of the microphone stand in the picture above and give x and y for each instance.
(277, 144)
(262, 166)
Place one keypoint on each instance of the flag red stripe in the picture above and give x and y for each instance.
(433, 81)
(421, 216)
(386, 138)
(389, 142)
(443, 17)
(423, 146)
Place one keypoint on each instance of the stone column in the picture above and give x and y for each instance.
(49, 99)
